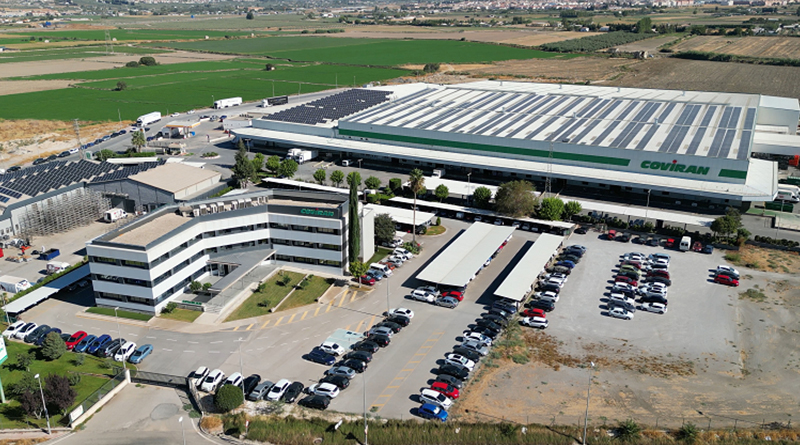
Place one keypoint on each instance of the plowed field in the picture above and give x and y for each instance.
(769, 47)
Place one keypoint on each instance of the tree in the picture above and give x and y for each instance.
(31, 403)
(431, 67)
(515, 199)
(26, 383)
(481, 197)
(104, 154)
(250, 15)
(138, 140)
(132, 64)
(58, 393)
(571, 208)
(395, 185)
(121, 86)
(269, 67)
(358, 269)
(287, 168)
(273, 163)
(53, 346)
(727, 224)
(644, 25)
(441, 192)
(320, 175)
(551, 209)
(416, 182)
(354, 178)
(258, 162)
(354, 223)
(24, 361)
(372, 183)
(195, 286)
(148, 61)
(384, 228)
(243, 170)
(228, 398)
(337, 177)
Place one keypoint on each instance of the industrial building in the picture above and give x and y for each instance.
(691, 147)
(143, 265)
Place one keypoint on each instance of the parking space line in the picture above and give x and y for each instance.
(347, 328)
(420, 354)
(330, 305)
(418, 361)
(397, 386)
(291, 319)
(341, 302)
(304, 316)
(407, 370)
(353, 298)
(265, 324)
(236, 328)
(251, 325)
(278, 322)
(358, 326)
(317, 311)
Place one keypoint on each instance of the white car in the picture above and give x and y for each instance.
(618, 312)
(548, 296)
(634, 256)
(324, 389)
(623, 287)
(430, 290)
(235, 379)
(459, 360)
(125, 351)
(403, 252)
(659, 256)
(657, 288)
(13, 329)
(555, 281)
(658, 308)
(74, 150)
(478, 347)
(198, 376)
(212, 380)
(420, 295)
(174, 115)
(332, 348)
(556, 276)
(659, 264)
(515, 224)
(401, 311)
(397, 242)
(727, 269)
(190, 112)
(535, 322)
(23, 331)
(277, 390)
(619, 298)
(477, 336)
(435, 398)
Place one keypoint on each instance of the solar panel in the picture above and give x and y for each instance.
(509, 124)
(726, 143)
(750, 119)
(716, 143)
(647, 137)
(744, 144)
(554, 105)
(709, 115)
(586, 131)
(666, 112)
(542, 127)
(570, 106)
(695, 143)
(489, 123)
(734, 120)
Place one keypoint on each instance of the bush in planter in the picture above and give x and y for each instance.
(228, 398)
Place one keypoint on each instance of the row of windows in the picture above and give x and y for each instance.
(297, 228)
(299, 259)
(308, 244)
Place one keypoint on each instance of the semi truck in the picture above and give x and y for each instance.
(149, 118)
(229, 102)
(13, 284)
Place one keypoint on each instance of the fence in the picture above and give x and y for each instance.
(152, 378)
(86, 405)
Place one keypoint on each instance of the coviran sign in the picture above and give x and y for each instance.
(317, 212)
(675, 167)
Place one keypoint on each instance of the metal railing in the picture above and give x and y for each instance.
(101, 392)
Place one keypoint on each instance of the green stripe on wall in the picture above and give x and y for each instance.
(485, 147)
(738, 174)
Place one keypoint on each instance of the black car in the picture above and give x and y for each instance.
(569, 257)
(708, 248)
(34, 335)
(652, 242)
(455, 371)
(544, 305)
(510, 308)
(339, 381)
(491, 333)
(367, 346)
(292, 392)
(500, 313)
(110, 348)
(581, 230)
(355, 364)
(627, 306)
(316, 402)
(52, 158)
(488, 324)
(666, 281)
(40, 341)
(624, 238)
(550, 287)
(250, 383)
(399, 319)
(382, 340)
(14, 168)
(468, 353)
(38, 161)
(388, 324)
(638, 240)
(64, 154)
(726, 273)
(498, 320)
(317, 355)
(450, 380)
(364, 356)
(653, 298)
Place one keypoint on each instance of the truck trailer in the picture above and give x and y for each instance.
(229, 102)
(305, 156)
(149, 118)
(13, 284)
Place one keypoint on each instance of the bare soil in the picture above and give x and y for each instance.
(777, 47)
(584, 69)
(768, 260)
(27, 86)
(649, 45)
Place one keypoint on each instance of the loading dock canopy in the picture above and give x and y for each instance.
(401, 215)
(465, 256)
(518, 283)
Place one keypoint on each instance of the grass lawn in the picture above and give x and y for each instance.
(436, 230)
(271, 293)
(380, 253)
(93, 376)
(301, 297)
(120, 313)
(179, 314)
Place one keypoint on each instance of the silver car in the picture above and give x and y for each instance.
(381, 331)
(343, 371)
(478, 347)
(448, 302)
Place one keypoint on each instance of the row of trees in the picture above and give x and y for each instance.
(245, 170)
(517, 199)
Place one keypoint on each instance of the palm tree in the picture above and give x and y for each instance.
(416, 182)
(138, 140)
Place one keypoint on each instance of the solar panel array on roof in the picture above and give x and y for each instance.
(332, 107)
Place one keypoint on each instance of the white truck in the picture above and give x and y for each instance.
(787, 196)
(438, 173)
(56, 267)
(114, 215)
(13, 284)
(305, 156)
(149, 118)
(229, 102)
(686, 244)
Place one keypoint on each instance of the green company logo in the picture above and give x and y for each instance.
(317, 212)
(675, 167)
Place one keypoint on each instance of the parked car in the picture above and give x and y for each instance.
(708, 249)
(356, 365)
(458, 295)
(468, 353)
(316, 402)
(250, 383)
(13, 329)
(435, 398)
(421, 295)
(501, 321)
(34, 334)
(450, 380)
(234, 379)
(259, 391)
(140, 354)
(399, 319)
(546, 296)
(198, 377)
(376, 330)
(110, 348)
(317, 355)
(337, 380)
(544, 305)
(535, 322)
(459, 360)
(25, 330)
(455, 371)
(618, 312)
(98, 343)
(663, 280)
(534, 313)
(727, 270)
(448, 302)
(40, 341)
(475, 336)
(212, 381)
(658, 308)
(364, 356)
(653, 297)
(659, 273)
(368, 280)
(394, 327)
(277, 390)
(332, 348)
(367, 346)
(380, 339)
(124, 351)
(478, 347)
(505, 306)
(83, 344)
(341, 370)
(293, 392)
(725, 279)
(324, 389)
(491, 333)
(401, 311)
(432, 412)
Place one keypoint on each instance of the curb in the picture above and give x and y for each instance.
(108, 318)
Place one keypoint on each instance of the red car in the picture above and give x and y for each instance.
(724, 279)
(658, 273)
(533, 313)
(455, 294)
(670, 243)
(367, 280)
(75, 339)
(444, 388)
(624, 279)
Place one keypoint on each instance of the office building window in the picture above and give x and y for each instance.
(137, 282)
(144, 301)
(299, 259)
(301, 228)
(327, 230)
(303, 244)
(283, 258)
(138, 264)
(284, 242)
(275, 225)
(331, 247)
(100, 259)
(330, 263)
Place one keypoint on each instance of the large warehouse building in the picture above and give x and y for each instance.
(688, 146)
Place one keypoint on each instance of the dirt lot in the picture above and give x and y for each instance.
(525, 37)
(27, 86)
(715, 351)
(571, 70)
(777, 47)
(649, 45)
(767, 260)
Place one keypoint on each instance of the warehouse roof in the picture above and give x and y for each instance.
(174, 177)
(463, 188)
(464, 257)
(716, 125)
(401, 215)
(518, 283)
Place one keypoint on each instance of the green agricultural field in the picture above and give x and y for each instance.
(96, 101)
(380, 52)
(125, 73)
(126, 34)
(71, 53)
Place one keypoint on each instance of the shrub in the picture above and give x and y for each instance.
(53, 346)
(195, 286)
(148, 61)
(228, 398)
(733, 257)
(688, 433)
(411, 247)
(234, 424)
(169, 308)
(211, 423)
(132, 64)
(438, 221)
(74, 378)
(79, 359)
(628, 431)
(209, 154)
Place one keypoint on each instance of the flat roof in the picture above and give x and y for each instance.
(401, 215)
(465, 256)
(457, 187)
(144, 234)
(638, 212)
(300, 185)
(174, 177)
(30, 300)
(518, 283)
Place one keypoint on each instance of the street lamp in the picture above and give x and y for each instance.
(120, 333)
(183, 433)
(586, 415)
(366, 428)
(469, 183)
(44, 405)
(388, 305)
(4, 309)
(647, 208)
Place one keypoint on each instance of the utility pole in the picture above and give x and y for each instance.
(586, 415)
(77, 129)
